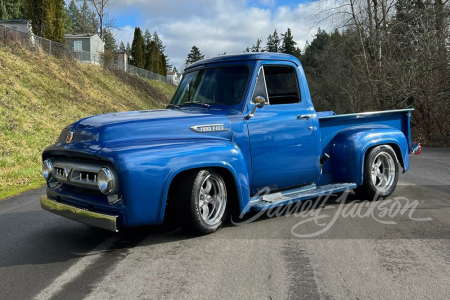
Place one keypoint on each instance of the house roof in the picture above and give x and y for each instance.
(171, 73)
(80, 35)
(20, 21)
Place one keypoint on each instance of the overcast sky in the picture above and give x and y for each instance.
(215, 26)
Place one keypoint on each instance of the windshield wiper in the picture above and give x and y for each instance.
(196, 103)
(173, 106)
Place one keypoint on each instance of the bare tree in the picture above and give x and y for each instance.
(399, 57)
(105, 21)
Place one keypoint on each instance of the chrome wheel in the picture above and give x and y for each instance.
(383, 171)
(212, 199)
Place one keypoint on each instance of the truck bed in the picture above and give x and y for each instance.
(331, 124)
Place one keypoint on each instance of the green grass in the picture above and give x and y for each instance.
(40, 95)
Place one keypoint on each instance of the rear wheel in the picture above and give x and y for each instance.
(200, 199)
(381, 171)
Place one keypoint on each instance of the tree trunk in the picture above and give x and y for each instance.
(378, 56)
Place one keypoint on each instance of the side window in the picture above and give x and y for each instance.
(282, 85)
(260, 86)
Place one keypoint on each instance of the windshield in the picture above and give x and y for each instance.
(219, 85)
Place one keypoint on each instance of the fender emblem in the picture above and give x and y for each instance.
(69, 137)
(208, 128)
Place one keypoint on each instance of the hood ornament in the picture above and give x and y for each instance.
(69, 137)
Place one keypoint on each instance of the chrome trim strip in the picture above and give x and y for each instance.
(363, 114)
(208, 128)
(108, 222)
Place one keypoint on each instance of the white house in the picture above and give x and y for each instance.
(21, 25)
(174, 77)
(88, 46)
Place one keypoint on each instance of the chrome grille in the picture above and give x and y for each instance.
(81, 176)
(77, 173)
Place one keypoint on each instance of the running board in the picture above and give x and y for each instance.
(291, 196)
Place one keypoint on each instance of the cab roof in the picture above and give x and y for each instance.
(246, 56)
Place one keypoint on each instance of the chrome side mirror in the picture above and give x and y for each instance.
(259, 102)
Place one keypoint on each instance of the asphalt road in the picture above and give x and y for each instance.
(336, 250)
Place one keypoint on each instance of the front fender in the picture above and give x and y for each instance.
(146, 172)
(349, 148)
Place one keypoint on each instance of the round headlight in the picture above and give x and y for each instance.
(47, 169)
(105, 181)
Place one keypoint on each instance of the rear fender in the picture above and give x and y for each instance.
(349, 148)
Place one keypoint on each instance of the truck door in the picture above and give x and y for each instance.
(281, 133)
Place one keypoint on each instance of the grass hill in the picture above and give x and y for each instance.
(40, 94)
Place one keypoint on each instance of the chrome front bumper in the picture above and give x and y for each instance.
(108, 222)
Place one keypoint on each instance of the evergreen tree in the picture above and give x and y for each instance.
(147, 37)
(122, 47)
(14, 9)
(159, 43)
(168, 66)
(35, 12)
(67, 21)
(128, 49)
(58, 21)
(161, 49)
(317, 47)
(3, 12)
(155, 60)
(46, 18)
(163, 70)
(74, 15)
(288, 43)
(110, 41)
(87, 20)
(151, 56)
(257, 47)
(137, 49)
(194, 55)
(49, 14)
(273, 42)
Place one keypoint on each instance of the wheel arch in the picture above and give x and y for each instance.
(227, 174)
(351, 146)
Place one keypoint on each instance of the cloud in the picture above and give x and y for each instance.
(270, 3)
(214, 26)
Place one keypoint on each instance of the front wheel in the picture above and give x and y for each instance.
(201, 201)
(381, 171)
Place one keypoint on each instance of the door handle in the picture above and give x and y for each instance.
(307, 117)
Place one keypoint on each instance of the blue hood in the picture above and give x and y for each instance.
(150, 125)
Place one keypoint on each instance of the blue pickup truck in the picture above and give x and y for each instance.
(241, 131)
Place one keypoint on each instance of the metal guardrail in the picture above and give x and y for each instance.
(10, 36)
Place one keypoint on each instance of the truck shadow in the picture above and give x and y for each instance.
(39, 238)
